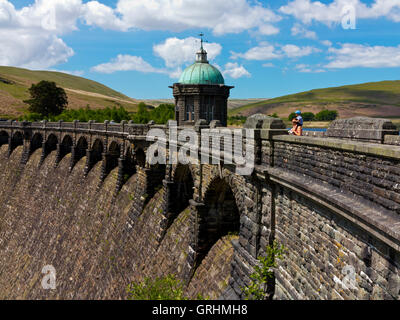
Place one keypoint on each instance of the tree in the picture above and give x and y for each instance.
(264, 273)
(308, 116)
(326, 115)
(47, 99)
(142, 115)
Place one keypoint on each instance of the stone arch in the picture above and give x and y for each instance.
(219, 216)
(231, 179)
(36, 143)
(140, 157)
(182, 189)
(97, 151)
(17, 139)
(66, 146)
(80, 148)
(4, 137)
(113, 154)
(129, 168)
(50, 145)
(155, 176)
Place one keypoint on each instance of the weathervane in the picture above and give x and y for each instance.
(201, 34)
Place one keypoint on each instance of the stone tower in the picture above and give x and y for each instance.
(201, 93)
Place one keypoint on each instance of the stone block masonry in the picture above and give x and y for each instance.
(81, 197)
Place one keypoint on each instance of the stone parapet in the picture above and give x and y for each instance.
(362, 128)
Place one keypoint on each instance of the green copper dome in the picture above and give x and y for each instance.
(201, 72)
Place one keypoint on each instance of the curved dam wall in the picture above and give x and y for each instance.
(82, 198)
(50, 216)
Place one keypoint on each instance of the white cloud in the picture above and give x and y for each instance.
(220, 16)
(293, 51)
(267, 51)
(268, 65)
(308, 11)
(300, 30)
(235, 71)
(263, 52)
(305, 68)
(268, 30)
(327, 43)
(176, 52)
(126, 63)
(356, 55)
(35, 51)
(98, 14)
(29, 37)
(32, 36)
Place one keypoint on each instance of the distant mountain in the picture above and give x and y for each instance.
(374, 99)
(15, 82)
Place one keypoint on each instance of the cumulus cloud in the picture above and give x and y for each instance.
(351, 55)
(293, 51)
(300, 30)
(97, 14)
(267, 51)
(30, 37)
(308, 11)
(235, 71)
(126, 63)
(327, 43)
(220, 16)
(305, 68)
(264, 51)
(176, 52)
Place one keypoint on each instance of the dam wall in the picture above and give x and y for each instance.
(82, 197)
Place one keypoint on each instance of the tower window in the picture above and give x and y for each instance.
(189, 109)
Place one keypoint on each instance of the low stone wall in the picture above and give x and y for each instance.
(329, 257)
(372, 172)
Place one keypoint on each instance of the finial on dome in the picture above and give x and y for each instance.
(201, 56)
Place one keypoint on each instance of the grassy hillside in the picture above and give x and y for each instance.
(15, 82)
(375, 99)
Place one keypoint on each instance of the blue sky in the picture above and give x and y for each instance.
(263, 48)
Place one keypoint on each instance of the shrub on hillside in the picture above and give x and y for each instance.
(307, 116)
(326, 115)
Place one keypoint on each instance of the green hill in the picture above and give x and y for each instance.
(15, 82)
(374, 99)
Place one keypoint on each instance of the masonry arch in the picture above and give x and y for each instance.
(51, 144)
(17, 139)
(219, 216)
(97, 151)
(36, 143)
(129, 168)
(80, 149)
(3, 138)
(66, 146)
(140, 157)
(113, 154)
(181, 190)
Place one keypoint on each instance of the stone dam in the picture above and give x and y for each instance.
(83, 198)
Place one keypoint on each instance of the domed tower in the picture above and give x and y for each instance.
(201, 93)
